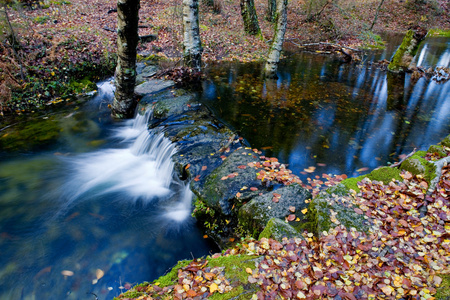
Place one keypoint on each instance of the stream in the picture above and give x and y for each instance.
(90, 206)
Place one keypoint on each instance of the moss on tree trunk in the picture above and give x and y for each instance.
(127, 40)
(401, 62)
(248, 12)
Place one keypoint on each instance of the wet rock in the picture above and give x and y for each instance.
(278, 229)
(229, 185)
(330, 209)
(153, 86)
(290, 200)
(145, 72)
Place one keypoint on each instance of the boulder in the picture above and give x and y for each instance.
(289, 200)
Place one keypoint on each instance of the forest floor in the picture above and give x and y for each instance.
(58, 44)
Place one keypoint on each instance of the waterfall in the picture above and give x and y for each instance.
(140, 168)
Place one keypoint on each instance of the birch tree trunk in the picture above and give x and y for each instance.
(125, 76)
(248, 12)
(192, 46)
(270, 70)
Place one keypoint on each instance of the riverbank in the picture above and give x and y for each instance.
(382, 237)
(49, 62)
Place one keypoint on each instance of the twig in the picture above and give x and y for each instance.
(403, 159)
(312, 17)
(109, 29)
(376, 15)
(326, 44)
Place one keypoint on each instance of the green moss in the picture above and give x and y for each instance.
(277, 229)
(418, 165)
(446, 141)
(171, 277)
(352, 183)
(436, 149)
(384, 174)
(235, 266)
(443, 292)
(439, 32)
(396, 64)
(82, 86)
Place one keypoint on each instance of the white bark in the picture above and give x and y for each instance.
(273, 59)
(192, 46)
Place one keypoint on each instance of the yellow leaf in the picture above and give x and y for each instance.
(248, 270)
(304, 211)
(213, 287)
(99, 273)
(53, 73)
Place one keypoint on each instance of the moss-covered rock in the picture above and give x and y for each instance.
(225, 182)
(418, 165)
(234, 271)
(277, 229)
(446, 142)
(437, 150)
(254, 215)
(384, 174)
(331, 204)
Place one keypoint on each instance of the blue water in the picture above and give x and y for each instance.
(336, 117)
(95, 211)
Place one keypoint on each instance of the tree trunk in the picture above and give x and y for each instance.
(192, 46)
(127, 39)
(273, 59)
(248, 12)
(403, 57)
(271, 10)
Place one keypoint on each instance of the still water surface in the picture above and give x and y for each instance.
(336, 117)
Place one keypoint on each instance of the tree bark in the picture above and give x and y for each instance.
(125, 100)
(403, 57)
(271, 10)
(273, 59)
(248, 12)
(192, 46)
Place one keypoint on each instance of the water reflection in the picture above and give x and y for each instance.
(338, 117)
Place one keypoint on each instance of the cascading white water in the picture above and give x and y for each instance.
(140, 170)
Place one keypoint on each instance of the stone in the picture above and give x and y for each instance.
(330, 209)
(153, 86)
(254, 215)
(278, 229)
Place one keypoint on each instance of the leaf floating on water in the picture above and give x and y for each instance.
(310, 169)
(292, 209)
(99, 273)
(253, 189)
(204, 168)
(197, 178)
(67, 273)
(362, 169)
